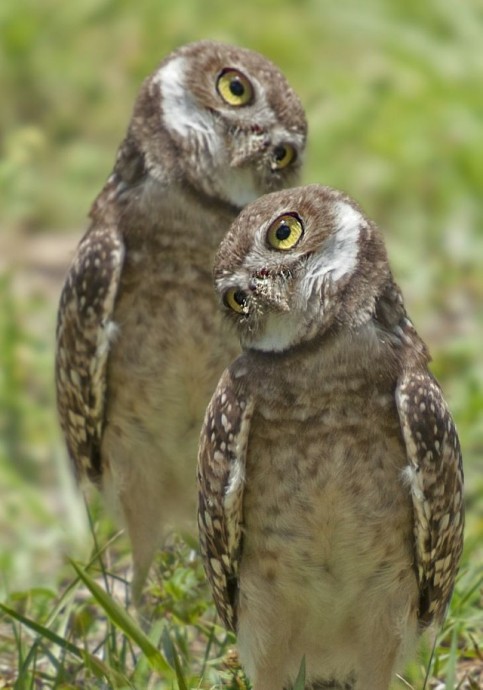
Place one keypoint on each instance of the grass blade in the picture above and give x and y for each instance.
(452, 660)
(98, 667)
(124, 622)
(300, 680)
(171, 651)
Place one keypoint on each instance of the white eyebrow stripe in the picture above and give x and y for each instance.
(181, 112)
(338, 256)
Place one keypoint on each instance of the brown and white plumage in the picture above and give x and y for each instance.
(330, 475)
(139, 341)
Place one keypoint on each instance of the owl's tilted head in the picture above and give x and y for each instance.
(222, 119)
(297, 263)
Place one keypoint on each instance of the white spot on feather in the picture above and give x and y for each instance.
(75, 378)
(216, 566)
(234, 484)
(412, 479)
(444, 523)
(107, 336)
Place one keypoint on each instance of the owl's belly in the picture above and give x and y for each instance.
(327, 564)
(327, 516)
(162, 370)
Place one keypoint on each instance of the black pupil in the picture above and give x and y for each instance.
(236, 87)
(283, 232)
(280, 152)
(239, 297)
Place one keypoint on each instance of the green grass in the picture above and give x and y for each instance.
(86, 635)
(393, 96)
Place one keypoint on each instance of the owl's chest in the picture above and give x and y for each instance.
(332, 439)
(162, 316)
(324, 484)
(171, 346)
(166, 295)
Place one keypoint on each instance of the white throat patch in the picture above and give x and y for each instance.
(281, 332)
(238, 186)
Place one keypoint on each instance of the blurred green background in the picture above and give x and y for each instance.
(394, 99)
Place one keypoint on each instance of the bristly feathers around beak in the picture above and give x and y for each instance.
(271, 288)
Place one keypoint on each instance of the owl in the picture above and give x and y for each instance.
(140, 345)
(329, 472)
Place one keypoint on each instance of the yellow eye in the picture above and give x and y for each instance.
(283, 155)
(237, 300)
(285, 232)
(234, 87)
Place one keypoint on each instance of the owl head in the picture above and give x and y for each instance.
(222, 120)
(298, 263)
